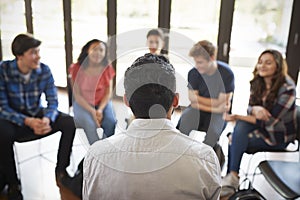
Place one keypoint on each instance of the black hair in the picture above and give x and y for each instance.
(83, 56)
(22, 43)
(157, 32)
(150, 86)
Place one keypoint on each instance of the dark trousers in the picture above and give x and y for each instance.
(10, 132)
(211, 123)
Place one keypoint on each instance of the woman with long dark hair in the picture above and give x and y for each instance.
(271, 120)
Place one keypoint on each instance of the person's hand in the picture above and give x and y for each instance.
(99, 114)
(229, 117)
(193, 97)
(194, 104)
(94, 115)
(39, 126)
(222, 108)
(261, 113)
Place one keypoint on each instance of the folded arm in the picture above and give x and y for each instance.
(215, 105)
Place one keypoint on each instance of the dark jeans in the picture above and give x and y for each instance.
(211, 123)
(241, 142)
(10, 132)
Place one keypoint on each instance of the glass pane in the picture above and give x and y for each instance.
(257, 25)
(191, 21)
(131, 42)
(197, 19)
(12, 22)
(88, 17)
(49, 28)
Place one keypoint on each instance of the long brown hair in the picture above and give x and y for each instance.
(258, 85)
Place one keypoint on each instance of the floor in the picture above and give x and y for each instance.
(37, 173)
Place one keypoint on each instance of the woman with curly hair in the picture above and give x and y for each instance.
(271, 120)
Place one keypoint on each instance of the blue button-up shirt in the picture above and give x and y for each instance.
(18, 96)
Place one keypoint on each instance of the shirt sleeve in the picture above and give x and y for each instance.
(6, 112)
(284, 103)
(73, 70)
(51, 96)
(108, 74)
(193, 82)
(229, 82)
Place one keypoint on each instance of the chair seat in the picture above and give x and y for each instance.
(283, 176)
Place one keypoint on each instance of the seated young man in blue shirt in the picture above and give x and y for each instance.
(22, 118)
(211, 86)
(151, 159)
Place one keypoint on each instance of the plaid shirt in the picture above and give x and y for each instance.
(20, 99)
(281, 127)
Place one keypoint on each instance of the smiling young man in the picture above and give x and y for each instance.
(211, 86)
(22, 117)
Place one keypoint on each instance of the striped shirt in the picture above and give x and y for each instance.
(20, 98)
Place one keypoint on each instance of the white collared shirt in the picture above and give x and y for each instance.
(151, 160)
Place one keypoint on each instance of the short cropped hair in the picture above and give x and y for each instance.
(150, 86)
(22, 43)
(203, 48)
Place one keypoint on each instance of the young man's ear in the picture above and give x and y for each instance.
(176, 100)
(125, 100)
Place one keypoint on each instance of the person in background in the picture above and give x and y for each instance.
(22, 117)
(211, 86)
(151, 159)
(91, 77)
(271, 120)
(155, 41)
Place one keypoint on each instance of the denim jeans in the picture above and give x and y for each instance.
(241, 142)
(211, 123)
(83, 119)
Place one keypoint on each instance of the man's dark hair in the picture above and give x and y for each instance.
(22, 43)
(150, 86)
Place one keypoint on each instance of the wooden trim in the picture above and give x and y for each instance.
(293, 46)
(28, 16)
(164, 17)
(225, 27)
(112, 32)
(68, 43)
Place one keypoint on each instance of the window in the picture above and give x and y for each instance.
(12, 22)
(133, 22)
(257, 25)
(191, 21)
(49, 28)
(89, 21)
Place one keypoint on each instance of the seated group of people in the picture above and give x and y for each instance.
(152, 159)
